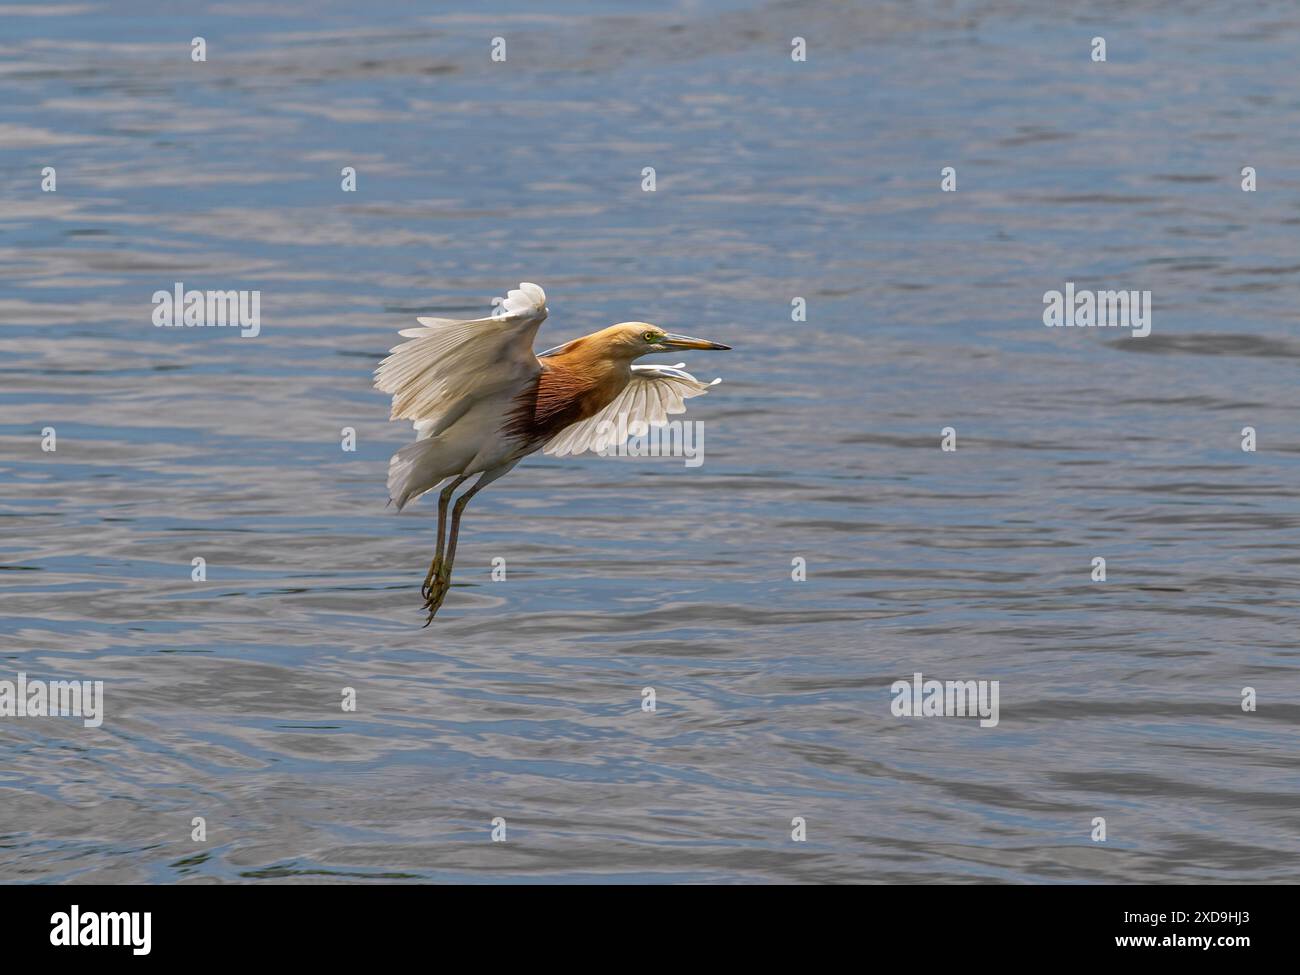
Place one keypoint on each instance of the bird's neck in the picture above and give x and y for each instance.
(593, 367)
(571, 387)
(591, 380)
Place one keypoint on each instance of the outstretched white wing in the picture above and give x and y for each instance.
(653, 394)
(448, 364)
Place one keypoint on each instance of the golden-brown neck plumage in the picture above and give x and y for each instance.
(577, 381)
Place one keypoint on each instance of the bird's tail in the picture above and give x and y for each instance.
(414, 469)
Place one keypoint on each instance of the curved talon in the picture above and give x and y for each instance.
(434, 592)
(442, 594)
(426, 589)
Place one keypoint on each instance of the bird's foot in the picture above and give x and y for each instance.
(436, 594)
(427, 589)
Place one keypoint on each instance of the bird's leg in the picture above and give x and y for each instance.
(443, 583)
(442, 577)
(443, 500)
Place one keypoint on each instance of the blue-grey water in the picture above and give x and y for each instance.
(775, 180)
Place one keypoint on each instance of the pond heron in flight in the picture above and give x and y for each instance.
(481, 401)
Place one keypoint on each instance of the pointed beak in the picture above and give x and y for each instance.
(671, 341)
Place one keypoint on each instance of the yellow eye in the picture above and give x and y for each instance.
(650, 337)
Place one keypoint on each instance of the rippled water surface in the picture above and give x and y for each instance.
(775, 180)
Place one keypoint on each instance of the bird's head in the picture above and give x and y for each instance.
(635, 339)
